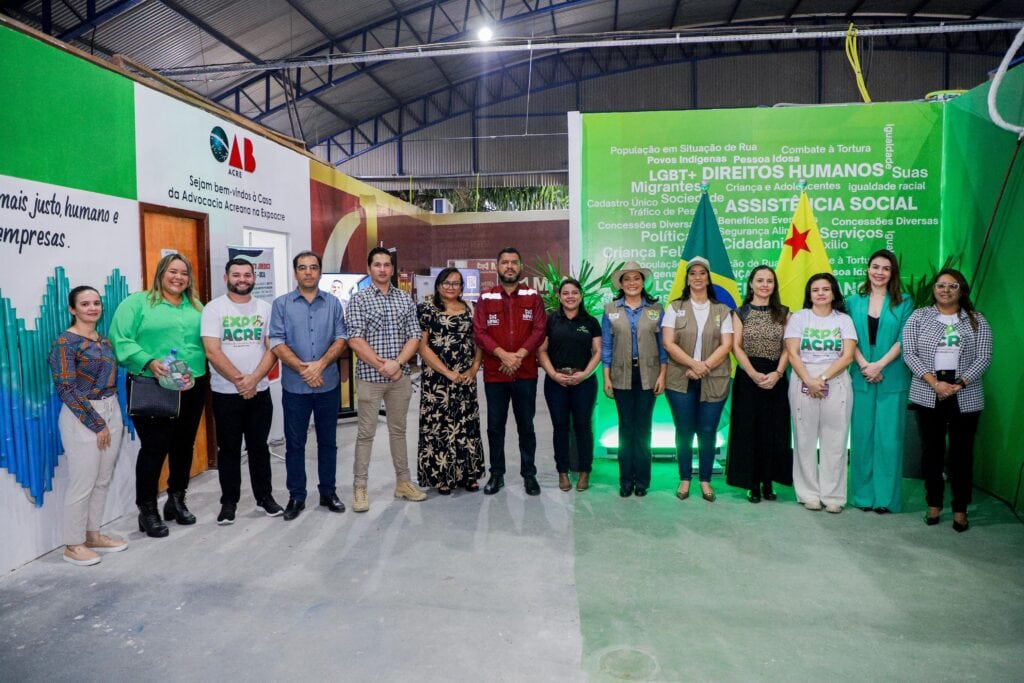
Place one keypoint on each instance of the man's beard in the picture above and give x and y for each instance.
(509, 279)
(240, 289)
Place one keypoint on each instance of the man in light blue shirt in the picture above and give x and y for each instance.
(307, 333)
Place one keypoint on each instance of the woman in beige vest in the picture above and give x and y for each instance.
(697, 334)
(634, 371)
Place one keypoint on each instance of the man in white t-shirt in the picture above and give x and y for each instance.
(234, 330)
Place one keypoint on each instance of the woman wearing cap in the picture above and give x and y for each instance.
(948, 348)
(880, 384)
(820, 340)
(759, 432)
(697, 335)
(634, 371)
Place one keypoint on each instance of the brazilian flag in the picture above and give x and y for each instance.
(705, 239)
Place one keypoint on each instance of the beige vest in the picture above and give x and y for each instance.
(647, 331)
(714, 387)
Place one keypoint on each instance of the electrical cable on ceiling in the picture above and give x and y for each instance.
(853, 57)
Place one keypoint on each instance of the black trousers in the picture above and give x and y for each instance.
(636, 413)
(936, 424)
(522, 394)
(235, 417)
(172, 438)
(575, 402)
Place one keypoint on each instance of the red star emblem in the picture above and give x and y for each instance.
(798, 241)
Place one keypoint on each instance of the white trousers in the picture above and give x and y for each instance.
(89, 468)
(821, 424)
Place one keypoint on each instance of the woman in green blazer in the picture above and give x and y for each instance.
(880, 385)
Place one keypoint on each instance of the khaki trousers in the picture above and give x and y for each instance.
(396, 397)
(89, 468)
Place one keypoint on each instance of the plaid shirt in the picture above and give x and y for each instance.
(921, 338)
(386, 322)
(83, 369)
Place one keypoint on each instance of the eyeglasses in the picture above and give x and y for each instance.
(451, 285)
(951, 286)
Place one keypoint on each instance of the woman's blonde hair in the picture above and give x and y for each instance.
(156, 290)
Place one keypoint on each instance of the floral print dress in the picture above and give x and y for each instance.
(451, 452)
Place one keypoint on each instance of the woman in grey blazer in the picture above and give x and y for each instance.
(948, 348)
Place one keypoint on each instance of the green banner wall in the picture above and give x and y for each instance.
(977, 157)
(873, 175)
(65, 121)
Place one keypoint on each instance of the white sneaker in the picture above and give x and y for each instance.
(834, 509)
(812, 505)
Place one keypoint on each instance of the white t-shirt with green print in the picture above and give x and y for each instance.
(821, 338)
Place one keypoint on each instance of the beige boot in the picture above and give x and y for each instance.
(405, 489)
(80, 555)
(360, 500)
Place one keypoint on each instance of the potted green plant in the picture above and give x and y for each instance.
(594, 283)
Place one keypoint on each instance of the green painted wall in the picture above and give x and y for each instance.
(977, 155)
(65, 121)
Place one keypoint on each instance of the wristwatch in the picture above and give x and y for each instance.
(960, 381)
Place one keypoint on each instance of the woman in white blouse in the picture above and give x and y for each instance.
(820, 341)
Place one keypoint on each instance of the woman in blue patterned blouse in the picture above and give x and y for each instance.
(85, 373)
(948, 348)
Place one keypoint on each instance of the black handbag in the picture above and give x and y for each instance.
(146, 398)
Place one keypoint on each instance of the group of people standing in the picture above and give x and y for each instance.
(937, 355)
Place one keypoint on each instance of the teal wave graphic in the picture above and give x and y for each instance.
(29, 406)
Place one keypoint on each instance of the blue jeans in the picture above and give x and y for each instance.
(522, 393)
(324, 409)
(576, 402)
(636, 411)
(693, 416)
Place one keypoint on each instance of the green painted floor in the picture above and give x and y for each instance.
(729, 591)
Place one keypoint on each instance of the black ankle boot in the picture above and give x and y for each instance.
(174, 508)
(150, 522)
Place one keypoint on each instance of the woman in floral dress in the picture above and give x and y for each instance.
(451, 453)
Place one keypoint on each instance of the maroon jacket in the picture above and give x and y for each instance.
(511, 323)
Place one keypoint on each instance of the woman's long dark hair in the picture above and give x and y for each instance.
(441, 277)
(648, 297)
(966, 305)
(838, 303)
(778, 313)
(582, 312)
(895, 286)
(711, 285)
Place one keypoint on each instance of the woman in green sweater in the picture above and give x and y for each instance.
(146, 328)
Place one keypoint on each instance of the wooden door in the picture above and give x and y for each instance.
(165, 229)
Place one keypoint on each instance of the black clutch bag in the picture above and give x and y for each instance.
(146, 398)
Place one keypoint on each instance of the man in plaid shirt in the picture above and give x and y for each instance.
(384, 333)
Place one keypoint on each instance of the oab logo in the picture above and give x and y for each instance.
(239, 157)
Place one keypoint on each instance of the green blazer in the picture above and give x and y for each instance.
(890, 330)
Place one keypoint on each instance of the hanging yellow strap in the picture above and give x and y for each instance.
(854, 58)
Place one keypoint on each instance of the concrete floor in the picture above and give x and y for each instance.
(509, 588)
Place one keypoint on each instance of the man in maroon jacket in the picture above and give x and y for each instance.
(508, 325)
